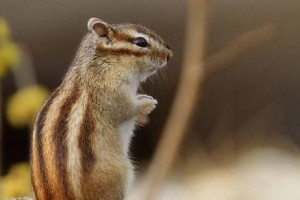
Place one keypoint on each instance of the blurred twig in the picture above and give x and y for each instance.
(184, 103)
(226, 57)
(192, 75)
(240, 46)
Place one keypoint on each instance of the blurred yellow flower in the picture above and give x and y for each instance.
(4, 31)
(17, 182)
(9, 56)
(24, 105)
(9, 52)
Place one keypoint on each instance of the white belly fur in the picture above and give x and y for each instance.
(126, 132)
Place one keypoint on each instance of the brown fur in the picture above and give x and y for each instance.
(81, 136)
(88, 127)
(40, 184)
(59, 137)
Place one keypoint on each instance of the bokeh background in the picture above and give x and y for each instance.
(244, 137)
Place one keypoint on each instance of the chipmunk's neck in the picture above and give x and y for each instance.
(66, 141)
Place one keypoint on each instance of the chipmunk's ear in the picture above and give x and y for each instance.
(98, 26)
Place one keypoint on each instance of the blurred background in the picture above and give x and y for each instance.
(243, 141)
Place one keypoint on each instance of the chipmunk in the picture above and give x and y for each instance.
(82, 134)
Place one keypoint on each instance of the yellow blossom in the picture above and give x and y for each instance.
(24, 105)
(9, 52)
(4, 31)
(9, 56)
(17, 182)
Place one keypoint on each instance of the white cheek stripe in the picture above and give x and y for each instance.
(135, 35)
(118, 45)
(124, 44)
(154, 43)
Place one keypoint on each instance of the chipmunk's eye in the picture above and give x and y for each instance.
(140, 41)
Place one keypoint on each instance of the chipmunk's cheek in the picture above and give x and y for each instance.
(162, 63)
(144, 65)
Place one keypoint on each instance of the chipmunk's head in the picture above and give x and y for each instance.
(131, 50)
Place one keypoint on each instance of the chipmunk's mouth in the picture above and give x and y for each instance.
(147, 73)
(152, 70)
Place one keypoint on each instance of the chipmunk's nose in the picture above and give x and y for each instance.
(168, 57)
(170, 53)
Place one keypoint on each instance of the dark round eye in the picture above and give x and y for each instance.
(140, 41)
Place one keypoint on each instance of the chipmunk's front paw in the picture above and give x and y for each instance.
(146, 104)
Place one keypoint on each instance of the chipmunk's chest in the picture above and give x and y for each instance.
(125, 133)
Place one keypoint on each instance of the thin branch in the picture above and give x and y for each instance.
(181, 112)
(194, 71)
(240, 46)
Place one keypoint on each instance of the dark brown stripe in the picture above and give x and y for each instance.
(142, 29)
(60, 136)
(87, 128)
(32, 171)
(122, 37)
(39, 128)
(118, 28)
(123, 51)
(34, 189)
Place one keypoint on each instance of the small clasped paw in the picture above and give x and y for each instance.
(146, 104)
